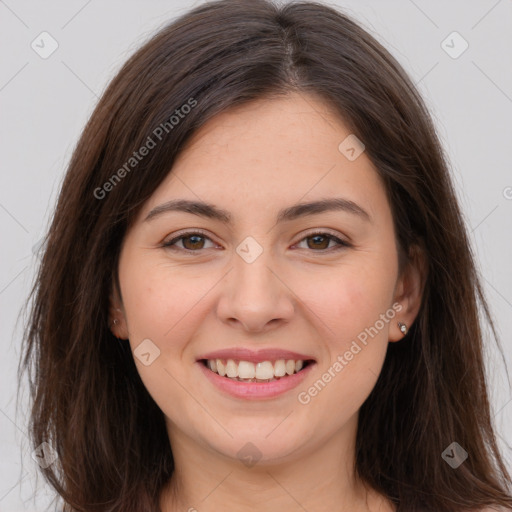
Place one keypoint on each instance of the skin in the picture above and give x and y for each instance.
(253, 161)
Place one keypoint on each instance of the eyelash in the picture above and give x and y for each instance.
(169, 245)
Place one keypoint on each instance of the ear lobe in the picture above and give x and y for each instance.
(117, 320)
(409, 292)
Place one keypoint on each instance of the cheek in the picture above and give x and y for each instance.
(358, 315)
(163, 305)
(354, 305)
(352, 299)
(161, 302)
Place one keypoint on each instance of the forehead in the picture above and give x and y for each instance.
(271, 152)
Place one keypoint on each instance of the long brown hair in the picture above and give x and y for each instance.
(88, 401)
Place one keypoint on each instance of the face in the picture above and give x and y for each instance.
(263, 283)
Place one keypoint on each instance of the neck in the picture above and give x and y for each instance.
(319, 478)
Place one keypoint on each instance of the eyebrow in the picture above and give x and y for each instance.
(293, 212)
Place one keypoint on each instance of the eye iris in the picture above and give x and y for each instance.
(193, 243)
(326, 239)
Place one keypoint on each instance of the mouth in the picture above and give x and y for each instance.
(255, 375)
(240, 370)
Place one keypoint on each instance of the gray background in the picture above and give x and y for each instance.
(44, 104)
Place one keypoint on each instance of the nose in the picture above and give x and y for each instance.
(255, 296)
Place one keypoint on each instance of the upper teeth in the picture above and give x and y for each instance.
(248, 370)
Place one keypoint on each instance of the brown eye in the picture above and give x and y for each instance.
(320, 242)
(195, 242)
(192, 242)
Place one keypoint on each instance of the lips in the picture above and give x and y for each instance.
(243, 354)
(262, 374)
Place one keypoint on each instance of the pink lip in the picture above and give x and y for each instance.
(255, 390)
(244, 354)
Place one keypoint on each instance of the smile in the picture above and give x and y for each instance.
(247, 371)
(265, 376)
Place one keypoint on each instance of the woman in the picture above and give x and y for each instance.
(258, 292)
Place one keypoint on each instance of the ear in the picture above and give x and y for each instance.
(117, 319)
(409, 291)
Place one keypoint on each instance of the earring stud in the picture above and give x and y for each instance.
(402, 327)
